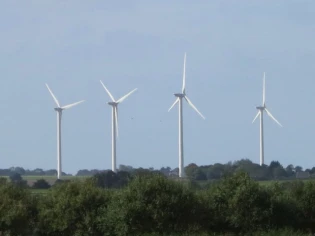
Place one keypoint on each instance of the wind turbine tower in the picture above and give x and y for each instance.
(59, 110)
(114, 104)
(260, 113)
(179, 100)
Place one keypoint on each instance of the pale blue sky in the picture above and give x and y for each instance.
(71, 45)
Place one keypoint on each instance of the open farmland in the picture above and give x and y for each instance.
(50, 179)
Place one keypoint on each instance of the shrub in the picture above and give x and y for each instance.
(41, 184)
(154, 204)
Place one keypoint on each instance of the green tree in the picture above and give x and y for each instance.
(17, 179)
(41, 184)
(290, 170)
(298, 169)
(307, 200)
(285, 212)
(279, 173)
(110, 179)
(190, 170)
(215, 171)
(153, 204)
(72, 208)
(17, 210)
(240, 204)
(199, 174)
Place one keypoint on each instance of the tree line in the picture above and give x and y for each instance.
(274, 171)
(149, 203)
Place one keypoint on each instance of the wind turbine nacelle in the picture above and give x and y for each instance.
(260, 108)
(112, 103)
(180, 95)
(58, 109)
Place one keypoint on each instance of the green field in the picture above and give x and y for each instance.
(46, 177)
(50, 179)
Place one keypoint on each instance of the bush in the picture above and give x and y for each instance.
(17, 179)
(17, 210)
(72, 208)
(41, 184)
(240, 204)
(153, 204)
(110, 179)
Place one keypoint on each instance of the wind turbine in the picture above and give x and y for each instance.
(179, 100)
(260, 113)
(114, 103)
(59, 110)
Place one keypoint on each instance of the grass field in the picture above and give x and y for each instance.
(50, 179)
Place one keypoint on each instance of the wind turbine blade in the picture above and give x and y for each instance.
(71, 105)
(109, 94)
(193, 106)
(264, 89)
(176, 101)
(184, 75)
(258, 113)
(116, 120)
(272, 117)
(55, 99)
(124, 97)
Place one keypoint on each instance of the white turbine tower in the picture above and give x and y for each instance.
(260, 113)
(59, 110)
(114, 105)
(179, 100)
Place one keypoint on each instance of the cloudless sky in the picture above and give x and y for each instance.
(72, 44)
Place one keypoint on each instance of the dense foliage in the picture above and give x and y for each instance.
(152, 204)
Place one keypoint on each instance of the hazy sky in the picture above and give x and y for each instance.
(72, 44)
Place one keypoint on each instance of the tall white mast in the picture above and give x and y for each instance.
(113, 139)
(181, 139)
(59, 110)
(262, 158)
(260, 113)
(179, 100)
(59, 168)
(114, 105)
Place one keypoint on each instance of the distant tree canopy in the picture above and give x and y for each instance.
(15, 177)
(35, 172)
(274, 171)
(110, 179)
